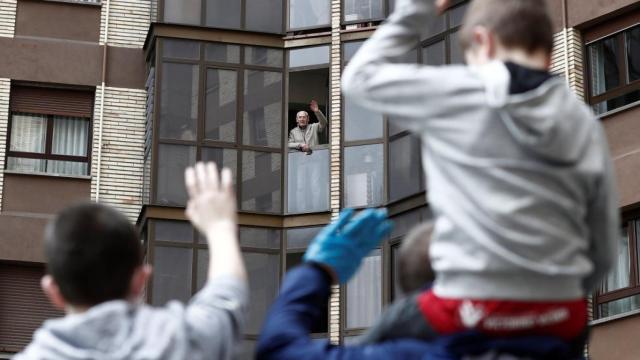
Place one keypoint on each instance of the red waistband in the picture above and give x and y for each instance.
(564, 319)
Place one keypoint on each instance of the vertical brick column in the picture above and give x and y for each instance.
(567, 59)
(336, 151)
(128, 22)
(7, 17)
(5, 88)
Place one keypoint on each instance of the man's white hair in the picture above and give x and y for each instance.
(303, 113)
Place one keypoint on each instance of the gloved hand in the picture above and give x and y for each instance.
(341, 246)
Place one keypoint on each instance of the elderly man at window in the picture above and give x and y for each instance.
(305, 136)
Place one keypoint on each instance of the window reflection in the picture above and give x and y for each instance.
(364, 175)
(308, 181)
(308, 13)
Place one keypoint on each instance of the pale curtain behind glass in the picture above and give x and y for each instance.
(70, 136)
(364, 293)
(28, 134)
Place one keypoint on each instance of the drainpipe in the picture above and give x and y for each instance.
(103, 85)
(565, 30)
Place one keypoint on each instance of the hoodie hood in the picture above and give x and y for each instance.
(547, 120)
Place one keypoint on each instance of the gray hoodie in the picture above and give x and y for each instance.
(208, 328)
(521, 185)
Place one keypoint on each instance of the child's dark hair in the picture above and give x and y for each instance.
(92, 251)
(524, 24)
(414, 265)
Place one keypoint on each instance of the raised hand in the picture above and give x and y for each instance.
(314, 106)
(341, 246)
(211, 198)
(442, 5)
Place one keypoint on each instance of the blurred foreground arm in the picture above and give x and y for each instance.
(215, 316)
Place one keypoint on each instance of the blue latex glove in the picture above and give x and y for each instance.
(342, 245)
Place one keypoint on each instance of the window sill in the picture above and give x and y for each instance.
(81, 177)
(618, 110)
(74, 2)
(614, 318)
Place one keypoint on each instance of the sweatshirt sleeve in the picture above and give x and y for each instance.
(404, 90)
(216, 315)
(604, 218)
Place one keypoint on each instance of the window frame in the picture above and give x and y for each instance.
(320, 28)
(386, 9)
(48, 155)
(625, 86)
(632, 223)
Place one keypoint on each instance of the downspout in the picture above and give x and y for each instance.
(565, 30)
(103, 86)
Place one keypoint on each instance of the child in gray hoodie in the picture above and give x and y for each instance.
(520, 178)
(97, 276)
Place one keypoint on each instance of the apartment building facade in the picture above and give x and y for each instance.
(110, 100)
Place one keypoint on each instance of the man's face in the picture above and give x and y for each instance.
(302, 119)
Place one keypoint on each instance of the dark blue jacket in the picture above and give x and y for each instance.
(285, 334)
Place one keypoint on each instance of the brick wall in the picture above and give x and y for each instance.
(567, 56)
(7, 17)
(128, 22)
(5, 88)
(121, 165)
(336, 151)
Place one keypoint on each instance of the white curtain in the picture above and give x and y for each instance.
(619, 278)
(28, 134)
(70, 137)
(364, 293)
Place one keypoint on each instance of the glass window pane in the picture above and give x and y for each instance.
(396, 290)
(172, 160)
(26, 165)
(308, 182)
(67, 167)
(434, 54)
(28, 133)
(182, 11)
(223, 158)
(261, 177)
(221, 105)
(617, 102)
(619, 275)
(364, 293)
(364, 175)
(620, 306)
(264, 15)
(223, 14)
(203, 268)
(434, 26)
(262, 118)
(316, 55)
(457, 55)
(403, 223)
(171, 274)
(264, 238)
(309, 13)
(360, 122)
(264, 275)
(300, 238)
(456, 15)
(362, 10)
(222, 53)
(603, 57)
(179, 102)
(263, 56)
(181, 49)
(169, 230)
(350, 48)
(405, 167)
(632, 38)
(70, 136)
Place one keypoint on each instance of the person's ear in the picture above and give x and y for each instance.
(484, 43)
(52, 291)
(140, 276)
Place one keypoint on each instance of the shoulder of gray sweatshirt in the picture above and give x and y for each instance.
(209, 327)
(522, 185)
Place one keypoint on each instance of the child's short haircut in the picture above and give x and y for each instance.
(414, 265)
(92, 251)
(524, 24)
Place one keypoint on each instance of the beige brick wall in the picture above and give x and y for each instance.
(336, 121)
(567, 57)
(122, 149)
(128, 22)
(7, 17)
(5, 88)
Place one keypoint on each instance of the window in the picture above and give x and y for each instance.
(614, 70)
(253, 15)
(221, 103)
(357, 11)
(49, 131)
(620, 290)
(306, 14)
(441, 44)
